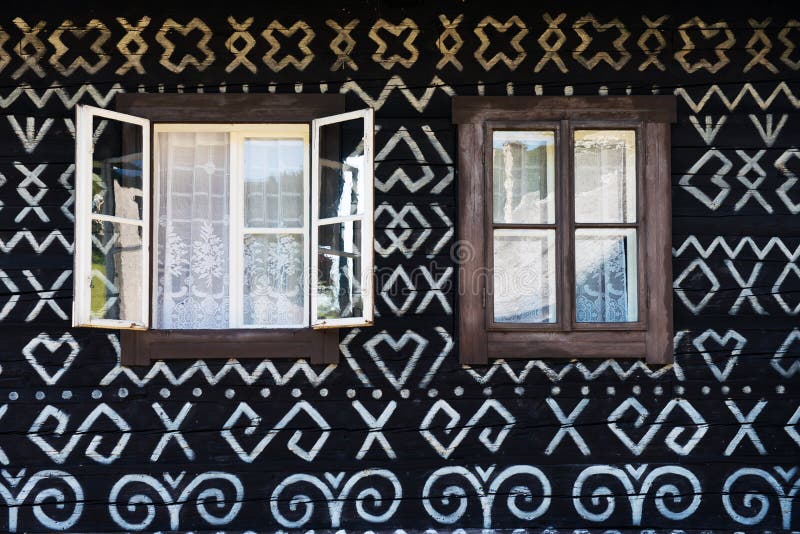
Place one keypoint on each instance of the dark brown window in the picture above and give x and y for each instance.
(565, 218)
(259, 209)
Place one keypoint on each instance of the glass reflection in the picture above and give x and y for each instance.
(606, 276)
(339, 271)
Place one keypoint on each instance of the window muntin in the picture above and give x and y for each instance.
(240, 193)
(112, 208)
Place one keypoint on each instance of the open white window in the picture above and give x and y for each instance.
(112, 220)
(341, 239)
(254, 226)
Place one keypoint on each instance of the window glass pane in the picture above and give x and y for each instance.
(341, 172)
(605, 176)
(117, 169)
(606, 276)
(274, 172)
(192, 214)
(339, 271)
(274, 280)
(524, 276)
(523, 177)
(116, 277)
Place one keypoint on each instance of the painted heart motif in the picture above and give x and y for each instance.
(701, 342)
(52, 346)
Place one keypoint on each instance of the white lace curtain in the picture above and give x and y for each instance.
(193, 206)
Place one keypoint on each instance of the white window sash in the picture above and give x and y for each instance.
(237, 226)
(82, 273)
(366, 219)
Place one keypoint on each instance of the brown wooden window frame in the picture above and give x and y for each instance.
(140, 347)
(651, 336)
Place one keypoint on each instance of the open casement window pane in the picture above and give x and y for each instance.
(112, 220)
(342, 219)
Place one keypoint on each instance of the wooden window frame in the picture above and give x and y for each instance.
(651, 336)
(140, 347)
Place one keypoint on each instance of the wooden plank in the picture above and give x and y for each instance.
(230, 108)
(477, 109)
(658, 245)
(471, 313)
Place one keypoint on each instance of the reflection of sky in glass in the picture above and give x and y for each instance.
(531, 140)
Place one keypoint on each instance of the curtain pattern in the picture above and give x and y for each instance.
(193, 207)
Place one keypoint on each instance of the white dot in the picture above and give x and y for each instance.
(603, 91)
(679, 390)
(164, 393)
(296, 392)
(568, 90)
(658, 390)
(229, 393)
(13, 395)
(351, 393)
(519, 391)
(636, 390)
(122, 393)
(405, 393)
(746, 389)
(780, 390)
(66, 394)
(432, 392)
(96, 394)
(705, 390)
(40, 395)
(611, 390)
(487, 391)
(197, 392)
(585, 390)
(725, 390)
(265, 392)
(555, 390)
(377, 394)
(458, 391)
(323, 392)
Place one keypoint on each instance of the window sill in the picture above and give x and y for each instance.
(142, 347)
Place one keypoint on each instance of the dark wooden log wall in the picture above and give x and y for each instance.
(398, 435)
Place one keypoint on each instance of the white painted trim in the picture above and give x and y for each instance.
(115, 219)
(366, 218)
(237, 133)
(81, 304)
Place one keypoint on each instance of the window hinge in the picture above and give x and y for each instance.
(483, 297)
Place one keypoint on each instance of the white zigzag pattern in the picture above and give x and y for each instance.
(747, 89)
(733, 251)
(38, 247)
(200, 368)
(69, 100)
(555, 375)
(397, 83)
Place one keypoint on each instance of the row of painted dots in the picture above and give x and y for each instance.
(404, 393)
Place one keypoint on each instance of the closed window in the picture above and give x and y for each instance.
(234, 239)
(564, 204)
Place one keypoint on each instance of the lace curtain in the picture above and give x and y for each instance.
(193, 206)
